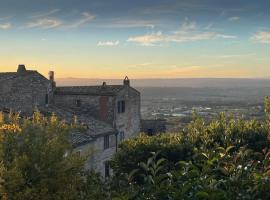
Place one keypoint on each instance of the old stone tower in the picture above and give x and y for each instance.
(111, 113)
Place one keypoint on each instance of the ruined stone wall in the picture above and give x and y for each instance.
(129, 121)
(100, 107)
(23, 92)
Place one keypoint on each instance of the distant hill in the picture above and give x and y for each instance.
(183, 82)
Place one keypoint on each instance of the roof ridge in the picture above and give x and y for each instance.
(86, 86)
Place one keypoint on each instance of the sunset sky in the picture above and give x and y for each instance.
(141, 39)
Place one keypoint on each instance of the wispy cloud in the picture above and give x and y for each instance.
(226, 36)
(5, 26)
(237, 55)
(148, 40)
(45, 23)
(145, 64)
(108, 43)
(228, 56)
(86, 17)
(5, 18)
(49, 22)
(45, 14)
(120, 23)
(234, 18)
(261, 37)
(188, 32)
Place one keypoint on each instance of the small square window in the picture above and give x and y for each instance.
(46, 99)
(107, 169)
(122, 136)
(121, 105)
(78, 153)
(106, 141)
(78, 103)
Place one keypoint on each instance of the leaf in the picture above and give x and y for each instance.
(202, 195)
(228, 149)
(205, 155)
(160, 161)
(131, 174)
(144, 166)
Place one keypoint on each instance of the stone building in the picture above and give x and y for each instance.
(110, 113)
(153, 126)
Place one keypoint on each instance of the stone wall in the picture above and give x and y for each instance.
(96, 154)
(153, 127)
(23, 92)
(100, 107)
(129, 121)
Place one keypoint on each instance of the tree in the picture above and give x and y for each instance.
(37, 160)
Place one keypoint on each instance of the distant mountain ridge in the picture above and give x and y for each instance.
(181, 82)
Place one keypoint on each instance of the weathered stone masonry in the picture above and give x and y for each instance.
(111, 113)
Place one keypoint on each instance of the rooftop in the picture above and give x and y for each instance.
(90, 90)
(93, 127)
(21, 71)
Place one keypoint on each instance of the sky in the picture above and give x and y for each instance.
(141, 39)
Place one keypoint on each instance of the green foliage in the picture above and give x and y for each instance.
(37, 160)
(228, 158)
(172, 147)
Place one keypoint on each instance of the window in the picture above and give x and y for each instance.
(78, 103)
(107, 169)
(150, 132)
(122, 136)
(121, 105)
(78, 153)
(106, 141)
(47, 99)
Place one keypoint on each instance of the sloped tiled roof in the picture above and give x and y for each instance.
(4, 76)
(94, 128)
(90, 90)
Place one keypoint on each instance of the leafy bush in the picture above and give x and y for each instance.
(172, 147)
(37, 160)
(228, 158)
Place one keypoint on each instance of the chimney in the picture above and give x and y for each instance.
(52, 82)
(21, 69)
(51, 75)
(126, 81)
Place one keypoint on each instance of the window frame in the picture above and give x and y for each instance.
(46, 99)
(107, 169)
(106, 141)
(78, 103)
(121, 136)
(121, 106)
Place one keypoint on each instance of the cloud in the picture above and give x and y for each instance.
(188, 32)
(45, 14)
(49, 23)
(86, 17)
(45, 23)
(226, 36)
(235, 18)
(108, 43)
(261, 37)
(5, 18)
(238, 55)
(5, 26)
(145, 64)
(148, 40)
(130, 24)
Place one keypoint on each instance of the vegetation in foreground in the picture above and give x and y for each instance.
(228, 158)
